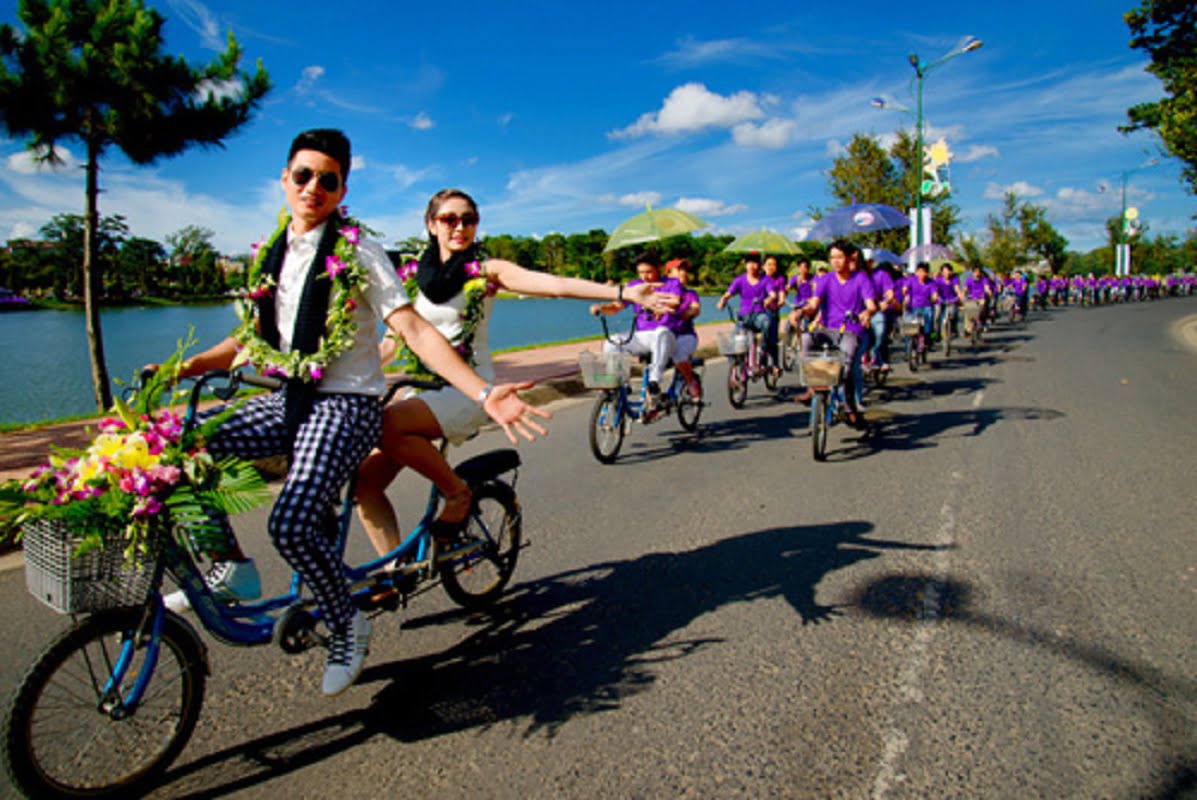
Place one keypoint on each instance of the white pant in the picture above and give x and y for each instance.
(658, 344)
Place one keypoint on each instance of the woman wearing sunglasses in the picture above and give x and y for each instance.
(454, 286)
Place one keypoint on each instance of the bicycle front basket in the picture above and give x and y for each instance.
(93, 581)
(604, 370)
(733, 342)
(822, 368)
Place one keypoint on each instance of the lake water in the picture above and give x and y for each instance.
(45, 372)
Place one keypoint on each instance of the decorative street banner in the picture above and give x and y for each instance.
(936, 175)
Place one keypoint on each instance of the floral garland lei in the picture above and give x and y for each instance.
(340, 327)
(476, 289)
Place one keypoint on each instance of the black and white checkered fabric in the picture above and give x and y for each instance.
(330, 444)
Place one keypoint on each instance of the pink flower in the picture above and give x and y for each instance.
(350, 304)
(492, 289)
(334, 266)
(408, 270)
(473, 270)
(147, 507)
(258, 292)
(316, 372)
(352, 234)
(165, 475)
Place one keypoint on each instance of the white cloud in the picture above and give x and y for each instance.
(231, 89)
(799, 232)
(640, 199)
(505, 119)
(24, 162)
(692, 108)
(996, 191)
(706, 207)
(309, 76)
(977, 152)
(199, 18)
(835, 148)
(772, 134)
(422, 122)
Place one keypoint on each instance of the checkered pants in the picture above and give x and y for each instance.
(330, 444)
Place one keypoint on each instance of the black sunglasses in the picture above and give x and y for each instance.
(329, 181)
(450, 221)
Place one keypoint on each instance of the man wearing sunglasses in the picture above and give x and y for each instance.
(327, 425)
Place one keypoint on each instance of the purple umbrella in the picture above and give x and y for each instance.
(857, 218)
(929, 253)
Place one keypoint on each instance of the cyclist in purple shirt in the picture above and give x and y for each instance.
(919, 296)
(847, 300)
(949, 298)
(887, 307)
(754, 289)
(773, 303)
(651, 336)
(681, 322)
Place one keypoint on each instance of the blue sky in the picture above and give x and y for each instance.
(568, 116)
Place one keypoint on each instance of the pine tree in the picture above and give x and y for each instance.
(93, 71)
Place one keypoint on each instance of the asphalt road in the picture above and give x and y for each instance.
(992, 593)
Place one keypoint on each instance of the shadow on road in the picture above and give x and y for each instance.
(924, 598)
(570, 644)
(921, 431)
(730, 433)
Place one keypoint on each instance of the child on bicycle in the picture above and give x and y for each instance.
(327, 416)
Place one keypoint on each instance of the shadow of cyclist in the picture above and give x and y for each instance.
(570, 644)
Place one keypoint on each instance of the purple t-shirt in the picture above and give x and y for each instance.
(974, 288)
(646, 320)
(947, 290)
(802, 289)
(675, 322)
(882, 282)
(917, 294)
(776, 284)
(752, 297)
(842, 302)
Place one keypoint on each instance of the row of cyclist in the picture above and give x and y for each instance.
(852, 304)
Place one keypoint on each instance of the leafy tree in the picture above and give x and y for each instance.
(868, 173)
(1040, 237)
(67, 233)
(1167, 31)
(141, 266)
(93, 71)
(193, 260)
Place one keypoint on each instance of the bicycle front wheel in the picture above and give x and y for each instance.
(69, 734)
(489, 548)
(790, 344)
(737, 381)
(818, 425)
(606, 427)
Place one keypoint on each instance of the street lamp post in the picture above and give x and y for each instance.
(1122, 253)
(921, 71)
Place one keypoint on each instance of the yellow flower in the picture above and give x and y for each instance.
(106, 445)
(87, 470)
(135, 454)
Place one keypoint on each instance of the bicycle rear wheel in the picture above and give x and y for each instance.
(490, 546)
(689, 409)
(606, 427)
(819, 424)
(737, 381)
(68, 733)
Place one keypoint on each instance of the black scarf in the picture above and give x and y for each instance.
(310, 317)
(441, 281)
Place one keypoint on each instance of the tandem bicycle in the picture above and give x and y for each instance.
(112, 701)
(618, 406)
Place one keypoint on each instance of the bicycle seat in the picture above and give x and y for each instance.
(487, 465)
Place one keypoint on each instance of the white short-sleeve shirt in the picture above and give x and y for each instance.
(358, 370)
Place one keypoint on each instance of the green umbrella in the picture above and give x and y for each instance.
(763, 241)
(653, 225)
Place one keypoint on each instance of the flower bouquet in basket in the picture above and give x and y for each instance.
(143, 473)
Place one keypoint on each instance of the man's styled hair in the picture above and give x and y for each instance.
(330, 141)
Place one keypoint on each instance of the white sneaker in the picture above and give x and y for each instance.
(346, 655)
(230, 581)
